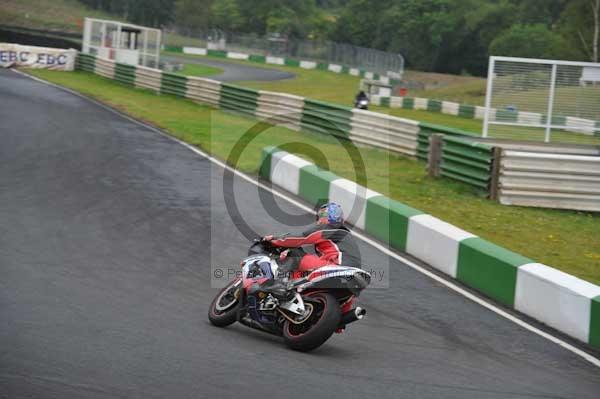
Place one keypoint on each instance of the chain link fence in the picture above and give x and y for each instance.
(384, 63)
(543, 100)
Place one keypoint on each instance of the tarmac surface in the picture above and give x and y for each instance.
(110, 238)
(233, 71)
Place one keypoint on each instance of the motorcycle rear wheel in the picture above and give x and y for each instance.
(319, 326)
(223, 309)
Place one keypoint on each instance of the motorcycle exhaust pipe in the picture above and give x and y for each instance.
(353, 315)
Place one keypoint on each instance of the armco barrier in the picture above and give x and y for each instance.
(173, 84)
(426, 130)
(148, 78)
(125, 73)
(467, 161)
(204, 91)
(557, 299)
(104, 67)
(461, 159)
(326, 118)
(85, 62)
(280, 109)
(238, 99)
(384, 131)
(550, 180)
(362, 127)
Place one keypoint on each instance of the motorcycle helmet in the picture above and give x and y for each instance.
(330, 213)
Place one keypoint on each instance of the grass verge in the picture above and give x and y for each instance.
(341, 89)
(199, 70)
(567, 240)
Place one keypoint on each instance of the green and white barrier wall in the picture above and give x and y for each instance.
(374, 129)
(578, 125)
(273, 60)
(557, 299)
(461, 158)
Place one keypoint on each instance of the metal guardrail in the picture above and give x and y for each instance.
(520, 177)
(326, 118)
(383, 131)
(173, 84)
(550, 180)
(467, 161)
(280, 109)
(426, 130)
(238, 99)
(204, 90)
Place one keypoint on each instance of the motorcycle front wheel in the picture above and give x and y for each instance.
(223, 309)
(318, 327)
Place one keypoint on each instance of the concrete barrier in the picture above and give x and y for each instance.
(557, 299)
(549, 180)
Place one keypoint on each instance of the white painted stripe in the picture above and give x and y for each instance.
(435, 242)
(581, 125)
(450, 108)
(237, 56)
(396, 102)
(421, 269)
(480, 113)
(335, 68)
(385, 92)
(555, 298)
(194, 50)
(421, 103)
(275, 60)
(529, 118)
(353, 199)
(375, 99)
(308, 64)
(285, 170)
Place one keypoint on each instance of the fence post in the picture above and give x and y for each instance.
(495, 173)
(435, 154)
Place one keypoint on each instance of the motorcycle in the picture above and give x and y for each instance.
(362, 104)
(306, 313)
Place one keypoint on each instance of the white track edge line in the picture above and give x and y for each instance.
(595, 361)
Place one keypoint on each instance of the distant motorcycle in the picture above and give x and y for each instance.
(362, 104)
(361, 101)
(310, 311)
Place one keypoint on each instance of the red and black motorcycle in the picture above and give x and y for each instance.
(307, 311)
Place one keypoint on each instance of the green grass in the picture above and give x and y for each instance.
(341, 89)
(199, 70)
(470, 91)
(320, 85)
(567, 240)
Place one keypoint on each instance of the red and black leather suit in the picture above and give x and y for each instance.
(333, 244)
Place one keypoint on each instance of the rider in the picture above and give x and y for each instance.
(332, 240)
(360, 96)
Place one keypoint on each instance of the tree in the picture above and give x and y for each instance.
(193, 14)
(580, 25)
(530, 41)
(226, 15)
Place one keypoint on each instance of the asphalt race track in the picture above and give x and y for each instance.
(105, 265)
(233, 71)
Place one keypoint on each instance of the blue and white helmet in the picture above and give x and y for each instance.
(332, 212)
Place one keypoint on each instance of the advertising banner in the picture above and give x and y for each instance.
(37, 57)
